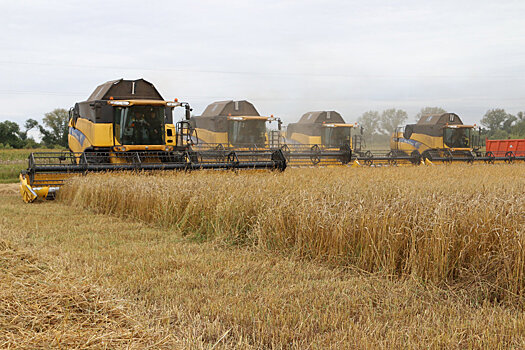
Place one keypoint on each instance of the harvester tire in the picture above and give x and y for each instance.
(368, 158)
(448, 157)
(509, 157)
(286, 152)
(221, 153)
(315, 157)
(415, 157)
(491, 157)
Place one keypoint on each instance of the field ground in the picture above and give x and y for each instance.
(80, 279)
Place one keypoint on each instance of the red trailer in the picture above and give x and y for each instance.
(503, 147)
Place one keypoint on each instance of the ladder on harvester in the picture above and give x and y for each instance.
(274, 138)
(358, 144)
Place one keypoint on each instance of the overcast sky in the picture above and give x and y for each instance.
(287, 57)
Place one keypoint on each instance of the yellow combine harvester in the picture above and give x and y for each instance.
(232, 124)
(228, 125)
(319, 138)
(437, 137)
(127, 125)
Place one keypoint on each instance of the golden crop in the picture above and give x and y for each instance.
(462, 224)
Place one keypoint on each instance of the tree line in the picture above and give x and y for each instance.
(376, 126)
(53, 129)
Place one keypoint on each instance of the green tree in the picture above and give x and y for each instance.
(498, 122)
(369, 121)
(10, 134)
(518, 129)
(429, 110)
(28, 125)
(509, 123)
(391, 119)
(56, 128)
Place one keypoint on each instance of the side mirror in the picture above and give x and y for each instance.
(408, 132)
(188, 110)
(73, 116)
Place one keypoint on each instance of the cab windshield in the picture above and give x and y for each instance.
(139, 125)
(457, 137)
(336, 137)
(247, 132)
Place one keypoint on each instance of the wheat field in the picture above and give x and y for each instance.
(328, 258)
(458, 225)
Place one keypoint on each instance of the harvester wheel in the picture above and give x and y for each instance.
(221, 153)
(491, 157)
(391, 158)
(286, 152)
(368, 158)
(315, 157)
(427, 156)
(232, 160)
(346, 154)
(447, 157)
(509, 157)
(415, 157)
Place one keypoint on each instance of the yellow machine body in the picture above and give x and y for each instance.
(86, 135)
(441, 134)
(323, 134)
(240, 132)
(94, 134)
(333, 135)
(210, 136)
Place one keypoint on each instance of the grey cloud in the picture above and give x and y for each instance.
(286, 56)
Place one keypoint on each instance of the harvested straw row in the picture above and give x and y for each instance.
(40, 308)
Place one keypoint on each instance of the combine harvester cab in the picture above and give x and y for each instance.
(319, 138)
(434, 138)
(127, 125)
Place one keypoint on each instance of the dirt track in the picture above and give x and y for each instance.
(9, 189)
